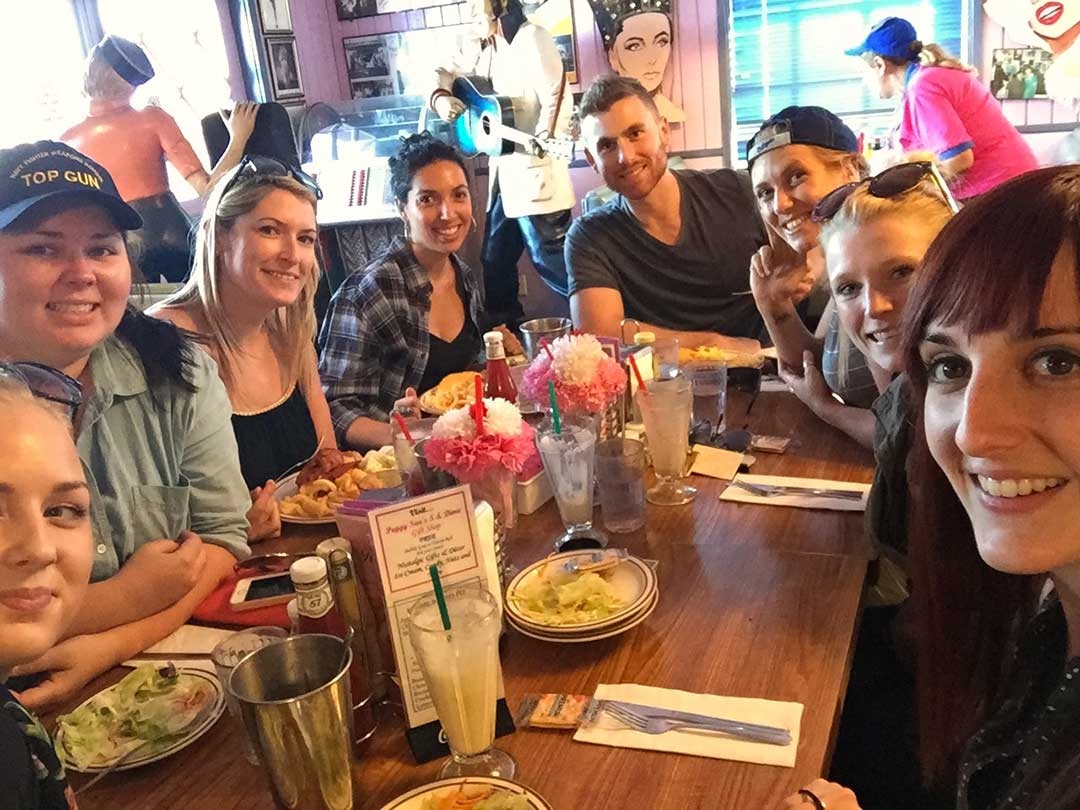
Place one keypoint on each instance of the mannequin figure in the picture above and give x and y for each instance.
(134, 144)
(531, 197)
(637, 37)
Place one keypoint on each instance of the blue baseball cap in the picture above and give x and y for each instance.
(892, 38)
(34, 172)
(127, 59)
(812, 126)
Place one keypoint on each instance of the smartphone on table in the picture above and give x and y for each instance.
(262, 591)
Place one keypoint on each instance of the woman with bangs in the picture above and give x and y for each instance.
(994, 363)
(167, 500)
(249, 304)
(797, 157)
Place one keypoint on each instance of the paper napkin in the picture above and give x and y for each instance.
(733, 493)
(607, 731)
(715, 463)
(189, 639)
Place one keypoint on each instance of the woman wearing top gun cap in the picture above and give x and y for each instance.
(944, 109)
(168, 500)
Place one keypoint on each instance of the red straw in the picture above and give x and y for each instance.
(478, 412)
(404, 428)
(640, 379)
(546, 348)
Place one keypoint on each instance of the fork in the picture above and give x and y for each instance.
(777, 490)
(661, 725)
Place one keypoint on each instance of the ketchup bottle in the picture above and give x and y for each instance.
(318, 614)
(499, 383)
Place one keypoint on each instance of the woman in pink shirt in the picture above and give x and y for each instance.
(944, 108)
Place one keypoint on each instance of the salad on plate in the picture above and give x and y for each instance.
(476, 797)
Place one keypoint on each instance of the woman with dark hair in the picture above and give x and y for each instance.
(413, 315)
(994, 362)
(153, 430)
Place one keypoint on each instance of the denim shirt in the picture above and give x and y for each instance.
(375, 340)
(158, 462)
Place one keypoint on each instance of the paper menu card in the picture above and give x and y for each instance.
(409, 536)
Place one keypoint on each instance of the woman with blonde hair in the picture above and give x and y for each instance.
(945, 109)
(797, 157)
(249, 303)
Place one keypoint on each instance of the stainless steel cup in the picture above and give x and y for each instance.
(432, 478)
(534, 332)
(295, 701)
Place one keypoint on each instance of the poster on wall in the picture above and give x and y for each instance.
(557, 16)
(1048, 26)
(637, 39)
(1019, 73)
(275, 17)
(355, 9)
(284, 68)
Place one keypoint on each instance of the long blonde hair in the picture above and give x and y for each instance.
(929, 55)
(292, 328)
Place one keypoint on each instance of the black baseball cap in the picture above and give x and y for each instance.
(127, 59)
(34, 172)
(812, 126)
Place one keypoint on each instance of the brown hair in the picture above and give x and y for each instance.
(986, 270)
(607, 90)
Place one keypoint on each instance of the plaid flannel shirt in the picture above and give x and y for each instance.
(374, 341)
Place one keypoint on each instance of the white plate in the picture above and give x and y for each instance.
(206, 718)
(414, 799)
(633, 581)
(605, 632)
(286, 487)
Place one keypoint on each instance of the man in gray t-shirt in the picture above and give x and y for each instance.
(673, 249)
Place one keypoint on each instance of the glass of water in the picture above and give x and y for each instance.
(569, 457)
(709, 382)
(620, 478)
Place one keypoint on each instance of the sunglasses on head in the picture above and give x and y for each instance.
(262, 166)
(890, 183)
(45, 382)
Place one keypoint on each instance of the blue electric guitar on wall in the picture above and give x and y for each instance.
(489, 126)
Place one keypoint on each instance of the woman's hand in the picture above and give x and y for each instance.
(264, 516)
(810, 386)
(409, 405)
(161, 572)
(829, 794)
(779, 277)
(242, 121)
(510, 342)
(70, 665)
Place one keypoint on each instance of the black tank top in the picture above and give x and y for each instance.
(274, 440)
(446, 357)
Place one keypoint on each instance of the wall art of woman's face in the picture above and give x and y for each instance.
(642, 49)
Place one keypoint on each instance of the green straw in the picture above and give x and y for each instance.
(554, 408)
(440, 597)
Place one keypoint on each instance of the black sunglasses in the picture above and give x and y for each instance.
(261, 165)
(893, 181)
(45, 382)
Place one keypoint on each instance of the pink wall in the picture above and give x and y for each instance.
(693, 76)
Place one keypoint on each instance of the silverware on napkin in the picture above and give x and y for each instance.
(777, 490)
(653, 720)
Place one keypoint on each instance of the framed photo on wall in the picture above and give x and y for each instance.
(275, 17)
(355, 9)
(284, 68)
(367, 57)
(1018, 73)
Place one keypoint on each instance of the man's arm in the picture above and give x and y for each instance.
(599, 310)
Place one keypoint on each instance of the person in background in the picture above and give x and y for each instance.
(797, 157)
(153, 432)
(46, 550)
(134, 144)
(945, 109)
(994, 362)
(671, 250)
(530, 195)
(249, 304)
(413, 315)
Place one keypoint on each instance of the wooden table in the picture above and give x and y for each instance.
(754, 601)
